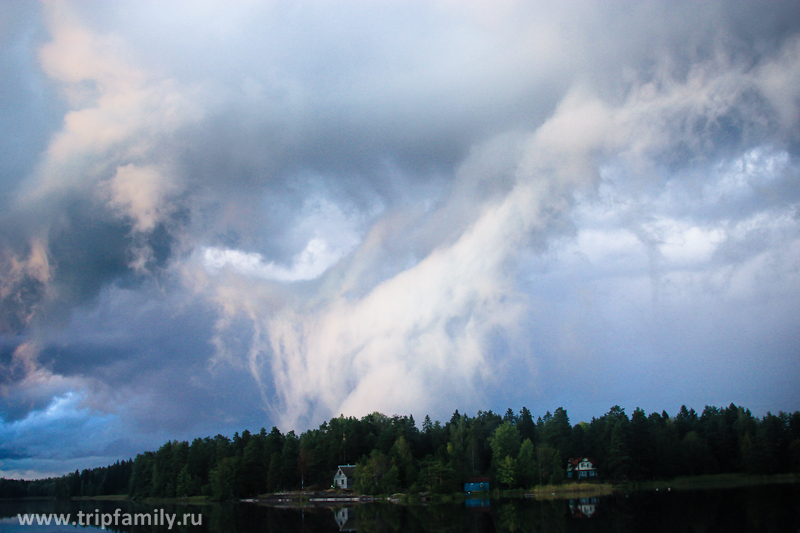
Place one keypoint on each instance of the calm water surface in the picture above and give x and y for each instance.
(771, 508)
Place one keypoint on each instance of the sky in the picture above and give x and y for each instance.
(226, 216)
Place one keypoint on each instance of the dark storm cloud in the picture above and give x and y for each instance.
(87, 247)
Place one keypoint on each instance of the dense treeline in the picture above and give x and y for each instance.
(101, 481)
(391, 454)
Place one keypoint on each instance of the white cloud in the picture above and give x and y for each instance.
(119, 115)
(682, 244)
(742, 176)
(334, 232)
(141, 193)
(315, 259)
(430, 325)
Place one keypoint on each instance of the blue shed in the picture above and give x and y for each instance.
(476, 484)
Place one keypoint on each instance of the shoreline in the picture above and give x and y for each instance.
(714, 481)
(541, 492)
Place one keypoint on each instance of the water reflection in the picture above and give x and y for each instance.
(771, 508)
(345, 519)
(583, 507)
(478, 504)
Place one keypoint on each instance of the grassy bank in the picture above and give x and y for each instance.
(717, 481)
(572, 490)
(705, 482)
(594, 489)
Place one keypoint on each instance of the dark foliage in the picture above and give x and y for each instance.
(391, 454)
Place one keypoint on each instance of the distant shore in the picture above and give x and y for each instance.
(543, 492)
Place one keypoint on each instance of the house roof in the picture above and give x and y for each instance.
(348, 470)
(478, 480)
(575, 461)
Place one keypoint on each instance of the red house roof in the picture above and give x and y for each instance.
(575, 461)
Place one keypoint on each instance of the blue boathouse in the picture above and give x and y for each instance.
(476, 484)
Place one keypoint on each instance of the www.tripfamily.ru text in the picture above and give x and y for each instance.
(117, 518)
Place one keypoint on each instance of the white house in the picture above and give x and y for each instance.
(345, 476)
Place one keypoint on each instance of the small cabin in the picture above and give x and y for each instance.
(476, 484)
(581, 468)
(345, 477)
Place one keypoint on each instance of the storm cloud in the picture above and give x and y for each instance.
(226, 217)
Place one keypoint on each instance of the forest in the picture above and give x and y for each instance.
(392, 454)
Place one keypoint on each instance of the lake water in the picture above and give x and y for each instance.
(768, 508)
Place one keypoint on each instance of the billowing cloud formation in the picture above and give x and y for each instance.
(274, 213)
